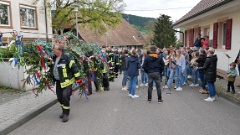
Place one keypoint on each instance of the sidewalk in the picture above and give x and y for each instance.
(19, 108)
(221, 88)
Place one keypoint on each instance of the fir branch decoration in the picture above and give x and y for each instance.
(35, 56)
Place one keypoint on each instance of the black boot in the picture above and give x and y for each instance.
(233, 91)
(65, 118)
(61, 116)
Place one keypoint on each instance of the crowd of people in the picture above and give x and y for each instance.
(176, 64)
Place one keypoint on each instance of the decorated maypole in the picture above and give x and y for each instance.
(35, 56)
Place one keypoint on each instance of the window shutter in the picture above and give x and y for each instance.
(189, 37)
(215, 35)
(228, 34)
(192, 38)
(185, 44)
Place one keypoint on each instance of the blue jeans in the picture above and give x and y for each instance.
(201, 76)
(185, 75)
(132, 85)
(239, 69)
(211, 89)
(180, 77)
(171, 77)
(196, 48)
(189, 71)
(144, 77)
(137, 81)
(167, 72)
(124, 80)
(195, 75)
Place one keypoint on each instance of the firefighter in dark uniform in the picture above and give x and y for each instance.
(105, 82)
(116, 62)
(65, 73)
(120, 61)
(111, 65)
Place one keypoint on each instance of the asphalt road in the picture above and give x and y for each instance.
(114, 113)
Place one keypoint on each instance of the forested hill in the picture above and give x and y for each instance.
(138, 22)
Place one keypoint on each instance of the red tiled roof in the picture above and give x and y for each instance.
(124, 34)
(202, 7)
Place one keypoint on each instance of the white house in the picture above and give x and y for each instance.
(27, 20)
(218, 19)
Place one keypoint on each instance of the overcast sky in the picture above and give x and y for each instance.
(174, 8)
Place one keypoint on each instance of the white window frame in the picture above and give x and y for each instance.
(35, 16)
(206, 31)
(9, 17)
(224, 38)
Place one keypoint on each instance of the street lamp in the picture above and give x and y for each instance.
(107, 35)
(75, 6)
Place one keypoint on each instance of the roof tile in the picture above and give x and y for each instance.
(124, 34)
(200, 7)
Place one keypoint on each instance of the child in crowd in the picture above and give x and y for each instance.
(231, 75)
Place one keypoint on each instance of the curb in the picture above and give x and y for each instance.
(226, 96)
(27, 117)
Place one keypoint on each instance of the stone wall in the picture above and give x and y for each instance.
(12, 77)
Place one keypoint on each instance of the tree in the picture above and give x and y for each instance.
(150, 33)
(95, 14)
(164, 35)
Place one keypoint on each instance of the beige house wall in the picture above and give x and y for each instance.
(15, 19)
(207, 27)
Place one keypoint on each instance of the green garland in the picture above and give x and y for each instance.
(33, 57)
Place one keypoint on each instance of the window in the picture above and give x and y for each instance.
(4, 14)
(28, 16)
(206, 31)
(224, 34)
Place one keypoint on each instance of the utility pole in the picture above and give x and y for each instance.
(75, 6)
(45, 11)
